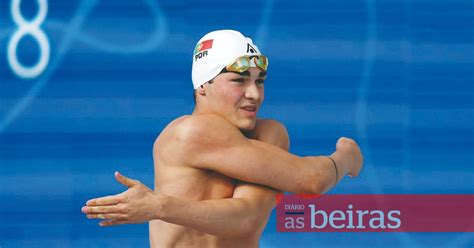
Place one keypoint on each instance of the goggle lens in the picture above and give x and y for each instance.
(242, 64)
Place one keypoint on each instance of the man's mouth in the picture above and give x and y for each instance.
(249, 111)
(249, 108)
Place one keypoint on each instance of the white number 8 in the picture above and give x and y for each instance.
(29, 28)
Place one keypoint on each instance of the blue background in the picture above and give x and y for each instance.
(395, 75)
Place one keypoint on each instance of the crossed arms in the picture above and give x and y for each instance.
(259, 163)
(244, 214)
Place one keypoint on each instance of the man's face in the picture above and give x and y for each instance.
(237, 96)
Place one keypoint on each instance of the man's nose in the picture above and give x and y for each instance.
(252, 92)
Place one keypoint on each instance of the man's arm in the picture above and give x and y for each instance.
(247, 160)
(210, 142)
(243, 215)
(240, 216)
(232, 217)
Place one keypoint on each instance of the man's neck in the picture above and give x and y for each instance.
(249, 134)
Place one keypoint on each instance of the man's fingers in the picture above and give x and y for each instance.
(125, 180)
(106, 216)
(100, 210)
(103, 201)
(112, 222)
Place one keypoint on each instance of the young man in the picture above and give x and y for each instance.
(210, 166)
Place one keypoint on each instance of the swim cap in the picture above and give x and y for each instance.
(216, 50)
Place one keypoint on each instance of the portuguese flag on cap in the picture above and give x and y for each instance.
(207, 44)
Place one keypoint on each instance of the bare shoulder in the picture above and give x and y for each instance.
(204, 126)
(194, 133)
(273, 132)
(168, 131)
(271, 124)
(191, 125)
(270, 127)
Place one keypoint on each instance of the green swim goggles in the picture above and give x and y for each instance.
(243, 63)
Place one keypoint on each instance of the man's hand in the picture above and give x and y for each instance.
(136, 205)
(349, 155)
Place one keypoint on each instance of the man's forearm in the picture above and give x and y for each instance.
(230, 217)
(325, 174)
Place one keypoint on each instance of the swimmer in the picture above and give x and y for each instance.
(217, 170)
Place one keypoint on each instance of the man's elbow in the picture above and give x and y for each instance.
(311, 186)
(317, 187)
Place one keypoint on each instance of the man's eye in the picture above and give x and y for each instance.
(240, 80)
(260, 81)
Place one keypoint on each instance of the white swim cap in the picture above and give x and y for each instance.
(216, 50)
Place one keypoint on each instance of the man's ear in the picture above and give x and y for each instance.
(201, 90)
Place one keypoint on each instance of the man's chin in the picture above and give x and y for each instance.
(247, 125)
